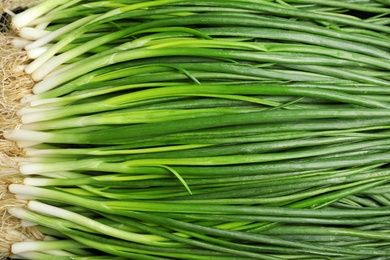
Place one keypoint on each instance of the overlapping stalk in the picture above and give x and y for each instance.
(173, 129)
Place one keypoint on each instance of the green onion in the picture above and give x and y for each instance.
(198, 130)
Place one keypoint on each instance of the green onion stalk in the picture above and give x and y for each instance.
(195, 130)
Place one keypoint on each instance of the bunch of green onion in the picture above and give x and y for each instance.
(208, 129)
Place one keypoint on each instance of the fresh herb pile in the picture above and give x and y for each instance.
(237, 129)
